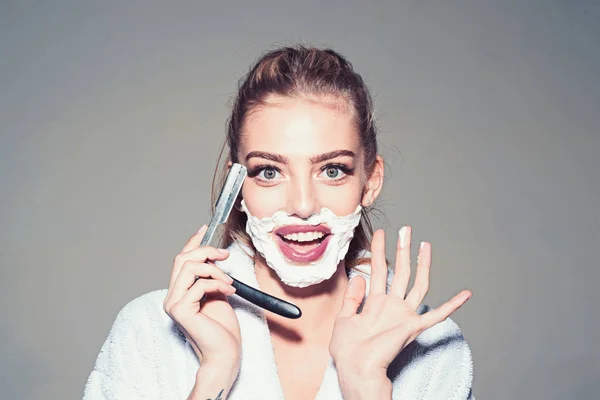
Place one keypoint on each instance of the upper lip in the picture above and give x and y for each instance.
(289, 229)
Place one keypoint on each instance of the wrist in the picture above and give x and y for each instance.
(213, 381)
(357, 384)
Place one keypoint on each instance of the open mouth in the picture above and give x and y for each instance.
(303, 243)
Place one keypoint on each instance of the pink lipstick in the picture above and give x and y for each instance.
(303, 243)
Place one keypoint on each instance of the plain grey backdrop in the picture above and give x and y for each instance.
(112, 115)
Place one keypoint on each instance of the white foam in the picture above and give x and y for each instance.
(305, 274)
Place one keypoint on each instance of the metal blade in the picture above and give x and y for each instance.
(226, 200)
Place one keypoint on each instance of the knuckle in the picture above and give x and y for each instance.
(178, 259)
(412, 327)
(214, 284)
(199, 284)
(202, 269)
(204, 285)
(419, 294)
(191, 265)
(224, 285)
(221, 286)
(222, 276)
(204, 250)
(211, 267)
(203, 253)
(177, 309)
(212, 270)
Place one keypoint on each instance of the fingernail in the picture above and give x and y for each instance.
(402, 234)
(223, 251)
(422, 244)
(202, 228)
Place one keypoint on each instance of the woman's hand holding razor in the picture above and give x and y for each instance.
(202, 312)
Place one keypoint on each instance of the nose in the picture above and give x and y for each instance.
(302, 200)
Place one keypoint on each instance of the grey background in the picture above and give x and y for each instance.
(112, 114)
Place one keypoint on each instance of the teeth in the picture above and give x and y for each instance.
(304, 236)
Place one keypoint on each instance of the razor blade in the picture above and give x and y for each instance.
(225, 201)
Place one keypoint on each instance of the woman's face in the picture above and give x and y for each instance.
(301, 156)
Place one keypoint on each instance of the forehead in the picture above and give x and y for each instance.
(299, 128)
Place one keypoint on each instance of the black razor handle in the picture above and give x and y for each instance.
(266, 301)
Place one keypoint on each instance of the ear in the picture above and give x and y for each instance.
(374, 183)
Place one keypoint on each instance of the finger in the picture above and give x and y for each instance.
(440, 314)
(206, 287)
(195, 240)
(192, 243)
(402, 263)
(355, 292)
(189, 304)
(187, 278)
(189, 307)
(421, 286)
(378, 265)
(200, 254)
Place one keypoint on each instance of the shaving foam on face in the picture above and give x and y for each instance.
(306, 274)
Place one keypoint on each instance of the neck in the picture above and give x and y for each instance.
(319, 303)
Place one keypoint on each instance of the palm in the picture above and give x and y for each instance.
(388, 321)
(222, 325)
(218, 309)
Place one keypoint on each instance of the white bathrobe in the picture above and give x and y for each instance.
(146, 356)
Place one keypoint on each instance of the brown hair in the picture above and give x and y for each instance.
(301, 72)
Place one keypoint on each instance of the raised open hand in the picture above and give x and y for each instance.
(368, 342)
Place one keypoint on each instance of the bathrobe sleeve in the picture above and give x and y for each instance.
(436, 365)
(118, 371)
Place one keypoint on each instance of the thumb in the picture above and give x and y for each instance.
(355, 292)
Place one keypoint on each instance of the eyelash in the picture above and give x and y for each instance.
(344, 168)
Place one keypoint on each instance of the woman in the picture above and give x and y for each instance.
(302, 124)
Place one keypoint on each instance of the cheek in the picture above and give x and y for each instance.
(263, 202)
(342, 199)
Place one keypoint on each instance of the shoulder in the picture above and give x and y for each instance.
(144, 317)
(140, 332)
(438, 362)
(143, 352)
(147, 304)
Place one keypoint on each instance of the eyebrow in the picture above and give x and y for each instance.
(314, 160)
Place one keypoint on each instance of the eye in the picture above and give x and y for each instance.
(265, 173)
(334, 172)
(268, 174)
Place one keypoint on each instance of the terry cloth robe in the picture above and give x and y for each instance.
(146, 356)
